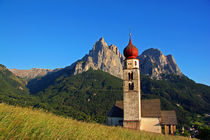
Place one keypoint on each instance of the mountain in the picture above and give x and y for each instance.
(10, 82)
(90, 95)
(103, 57)
(13, 89)
(154, 63)
(109, 59)
(32, 73)
(95, 92)
(87, 96)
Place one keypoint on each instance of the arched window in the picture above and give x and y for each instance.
(131, 75)
(135, 63)
(131, 86)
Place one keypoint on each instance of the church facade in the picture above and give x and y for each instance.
(134, 113)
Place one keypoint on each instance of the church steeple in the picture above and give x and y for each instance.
(131, 88)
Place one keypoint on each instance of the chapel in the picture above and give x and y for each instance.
(134, 113)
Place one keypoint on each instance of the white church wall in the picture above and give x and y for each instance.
(114, 120)
(150, 125)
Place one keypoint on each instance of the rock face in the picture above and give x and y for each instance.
(154, 63)
(30, 74)
(108, 58)
(103, 57)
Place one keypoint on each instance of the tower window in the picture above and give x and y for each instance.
(130, 76)
(135, 63)
(131, 86)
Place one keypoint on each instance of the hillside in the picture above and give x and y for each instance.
(27, 123)
(189, 99)
(13, 89)
(93, 93)
(88, 96)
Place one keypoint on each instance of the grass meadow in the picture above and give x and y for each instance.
(27, 123)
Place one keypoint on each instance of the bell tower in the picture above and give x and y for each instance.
(131, 88)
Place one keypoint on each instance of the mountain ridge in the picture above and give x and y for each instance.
(109, 59)
(31, 73)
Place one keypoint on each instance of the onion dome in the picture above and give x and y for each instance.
(130, 52)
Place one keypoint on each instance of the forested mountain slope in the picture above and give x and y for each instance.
(89, 96)
(13, 89)
(95, 92)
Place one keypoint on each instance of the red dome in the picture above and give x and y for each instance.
(130, 51)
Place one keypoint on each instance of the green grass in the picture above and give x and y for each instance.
(27, 123)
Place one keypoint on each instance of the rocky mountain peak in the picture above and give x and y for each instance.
(100, 44)
(154, 63)
(152, 52)
(101, 39)
(109, 59)
(103, 57)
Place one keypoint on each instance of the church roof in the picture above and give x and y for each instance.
(168, 117)
(149, 109)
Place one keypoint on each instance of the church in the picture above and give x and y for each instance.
(134, 113)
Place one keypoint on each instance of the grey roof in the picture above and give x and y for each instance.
(168, 117)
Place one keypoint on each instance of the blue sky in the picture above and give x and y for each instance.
(55, 33)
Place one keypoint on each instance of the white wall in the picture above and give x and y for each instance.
(151, 125)
(114, 120)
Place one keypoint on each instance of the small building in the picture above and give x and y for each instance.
(169, 121)
(152, 117)
(134, 113)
